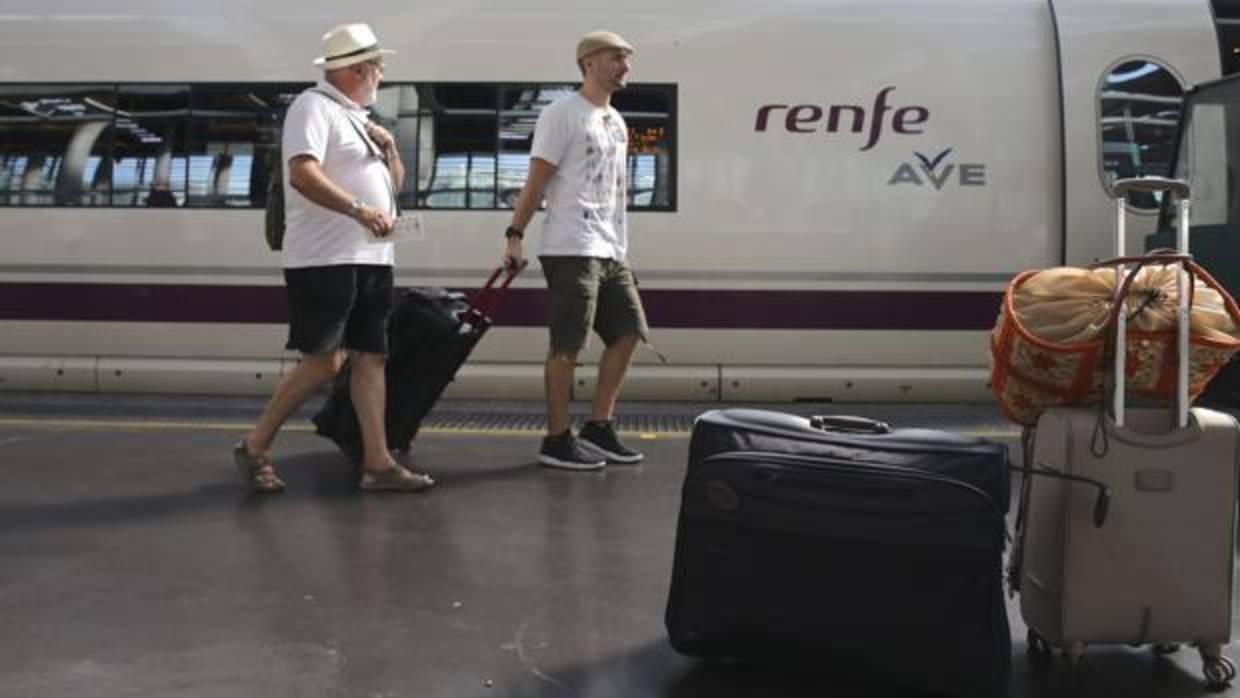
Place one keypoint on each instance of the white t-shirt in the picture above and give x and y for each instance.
(586, 196)
(314, 236)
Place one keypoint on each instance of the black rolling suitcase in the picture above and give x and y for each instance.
(431, 333)
(837, 543)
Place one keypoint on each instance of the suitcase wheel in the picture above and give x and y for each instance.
(1074, 653)
(1166, 648)
(1219, 672)
(1038, 646)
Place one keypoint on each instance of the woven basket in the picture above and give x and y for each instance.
(1048, 345)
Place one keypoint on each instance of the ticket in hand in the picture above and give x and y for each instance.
(408, 227)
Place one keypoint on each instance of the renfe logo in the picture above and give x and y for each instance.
(804, 118)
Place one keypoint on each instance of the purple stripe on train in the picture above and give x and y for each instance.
(522, 307)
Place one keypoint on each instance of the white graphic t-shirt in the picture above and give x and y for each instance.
(586, 196)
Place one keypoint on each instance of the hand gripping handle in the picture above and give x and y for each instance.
(486, 299)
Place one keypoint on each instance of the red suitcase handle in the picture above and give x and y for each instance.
(486, 299)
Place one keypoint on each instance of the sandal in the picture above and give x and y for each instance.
(256, 471)
(395, 478)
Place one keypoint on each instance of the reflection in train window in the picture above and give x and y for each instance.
(459, 171)
(521, 106)
(648, 110)
(475, 151)
(54, 144)
(464, 145)
(398, 109)
(234, 133)
(148, 146)
(1139, 107)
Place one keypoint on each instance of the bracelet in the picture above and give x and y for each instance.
(512, 232)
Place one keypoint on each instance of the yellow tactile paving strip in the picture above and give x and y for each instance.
(471, 424)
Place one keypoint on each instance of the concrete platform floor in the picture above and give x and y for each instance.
(132, 563)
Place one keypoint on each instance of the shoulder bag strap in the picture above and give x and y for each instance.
(370, 145)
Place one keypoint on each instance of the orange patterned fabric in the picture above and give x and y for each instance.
(1047, 346)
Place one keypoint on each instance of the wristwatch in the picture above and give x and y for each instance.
(512, 232)
(355, 207)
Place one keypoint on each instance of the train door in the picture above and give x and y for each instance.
(1124, 66)
(1207, 155)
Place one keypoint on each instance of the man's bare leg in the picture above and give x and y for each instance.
(599, 434)
(560, 449)
(293, 390)
(558, 383)
(368, 390)
(612, 367)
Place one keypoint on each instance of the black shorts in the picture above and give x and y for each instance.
(343, 306)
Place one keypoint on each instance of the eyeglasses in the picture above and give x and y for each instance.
(378, 64)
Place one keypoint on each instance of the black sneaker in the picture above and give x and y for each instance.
(565, 451)
(600, 437)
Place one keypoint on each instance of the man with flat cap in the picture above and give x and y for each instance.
(342, 172)
(578, 161)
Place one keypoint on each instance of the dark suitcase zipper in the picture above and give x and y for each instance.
(890, 441)
(812, 464)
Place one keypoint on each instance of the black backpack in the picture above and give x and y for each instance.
(273, 224)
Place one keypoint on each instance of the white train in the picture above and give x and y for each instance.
(829, 195)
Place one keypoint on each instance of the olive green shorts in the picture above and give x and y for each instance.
(591, 292)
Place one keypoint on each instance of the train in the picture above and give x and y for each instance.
(827, 197)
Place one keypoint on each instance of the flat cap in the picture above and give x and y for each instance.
(597, 41)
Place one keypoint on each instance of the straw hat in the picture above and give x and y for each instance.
(348, 44)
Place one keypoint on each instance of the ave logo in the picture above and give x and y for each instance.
(938, 172)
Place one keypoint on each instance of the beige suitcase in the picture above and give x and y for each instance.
(1130, 536)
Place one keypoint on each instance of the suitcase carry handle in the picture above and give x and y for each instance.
(485, 300)
(1150, 185)
(849, 424)
(1102, 503)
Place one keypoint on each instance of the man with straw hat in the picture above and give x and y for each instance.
(342, 172)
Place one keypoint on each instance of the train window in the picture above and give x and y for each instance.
(234, 135)
(149, 163)
(54, 145)
(647, 110)
(521, 106)
(464, 145)
(1229, 45)
(398, 109)
(1227, 25)
(460, 146)
(1139, 107)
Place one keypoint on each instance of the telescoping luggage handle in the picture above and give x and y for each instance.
(486, 299)
(1181, 190)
